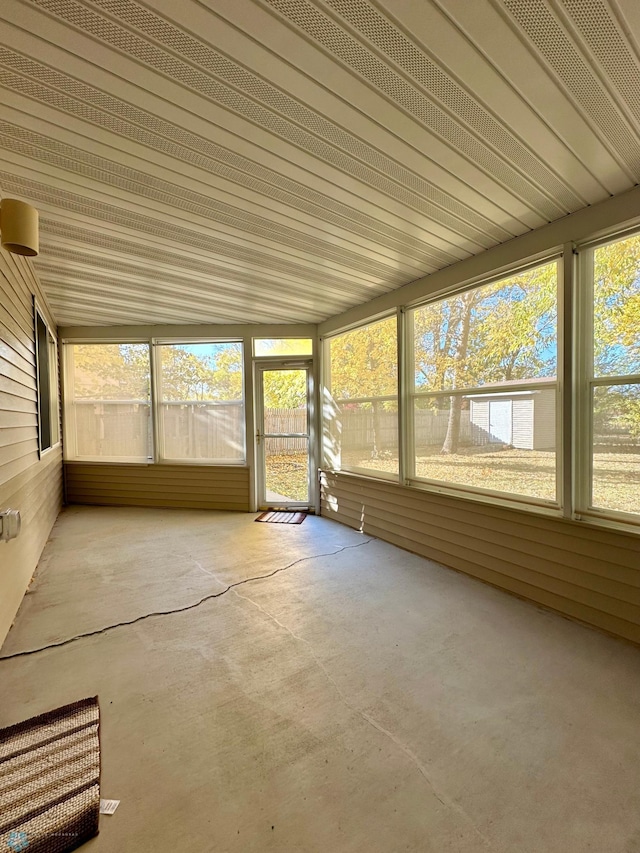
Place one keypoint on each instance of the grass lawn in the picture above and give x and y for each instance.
(523, 472)
(616, 480)
(288, 475)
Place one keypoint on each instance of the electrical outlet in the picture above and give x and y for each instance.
(10, 522)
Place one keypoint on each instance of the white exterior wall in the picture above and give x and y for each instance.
(533, 419)
(479, 415)
(524, 409)
(544, 429)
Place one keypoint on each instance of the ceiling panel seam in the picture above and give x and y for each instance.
(398, 90)
(284, 116)
(47, 150)
(111, 243)
(537, 28)
(80, 265)
(498, 69)
(240, 275)
(414, 60)
(610, 52)
(110, 213)
(155, 292)
(220, 160)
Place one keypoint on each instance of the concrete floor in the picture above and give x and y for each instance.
(363, 699)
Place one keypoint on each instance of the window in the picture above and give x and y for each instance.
(483, 368)
(481, 380)
(200, 401)
(282, 346)
(47, 382)
(108, 396)
(361, 409)
(196, 415)
(613, 378)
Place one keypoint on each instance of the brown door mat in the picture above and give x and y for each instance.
(282, 517)
(50, 780)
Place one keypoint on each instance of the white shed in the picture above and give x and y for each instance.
(525, 419)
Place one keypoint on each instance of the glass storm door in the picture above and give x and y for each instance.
(283, 437)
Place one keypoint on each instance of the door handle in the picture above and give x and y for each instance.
(258, 437)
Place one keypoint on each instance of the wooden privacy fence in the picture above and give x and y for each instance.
(215, 430)
(114, 428)
(203, 430)
(430, 428)
(191, 430)
(286, 421)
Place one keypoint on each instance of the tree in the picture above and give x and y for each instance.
(229, 372)
(364, 364)
(616, 324)
(616, 308)
(184, 375)
(501, 332)
(111, 371)
(204, 372)
(465, 306)
(188, 372)
(285, 389)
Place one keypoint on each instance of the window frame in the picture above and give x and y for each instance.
(406, 395)
(157, 421)
(574, 416)
(44, 363)
(69, 421)
(325, 342)
(493, 496)
(69, 424)
(587, 382)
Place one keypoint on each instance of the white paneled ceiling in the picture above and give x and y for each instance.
(283, 160)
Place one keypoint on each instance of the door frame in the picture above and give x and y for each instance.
(259, 368)
(506, 406)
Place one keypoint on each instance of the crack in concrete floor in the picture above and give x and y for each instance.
(186, 607)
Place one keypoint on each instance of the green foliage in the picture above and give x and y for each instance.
(206, 372)
(285, 389)
(514, 334)
(188, 372)
(616, 308)
(364, 362)
(629, 407)
(616, 320)
(111, 371)
(616, 412)
(502, 332)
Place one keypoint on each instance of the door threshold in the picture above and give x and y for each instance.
(298, 508)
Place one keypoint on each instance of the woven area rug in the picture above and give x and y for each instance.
(50, 780)
(281, 517)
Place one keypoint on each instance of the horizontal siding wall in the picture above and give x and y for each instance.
(589, 574)
(29, 484)
(544, 432)
(184, 486)
(523, 415)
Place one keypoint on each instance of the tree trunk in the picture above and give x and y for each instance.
(376, 430)
(452, 438)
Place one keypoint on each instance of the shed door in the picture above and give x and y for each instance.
(500, 421)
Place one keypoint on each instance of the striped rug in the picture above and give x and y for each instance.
(50, 780)
(282, 517)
